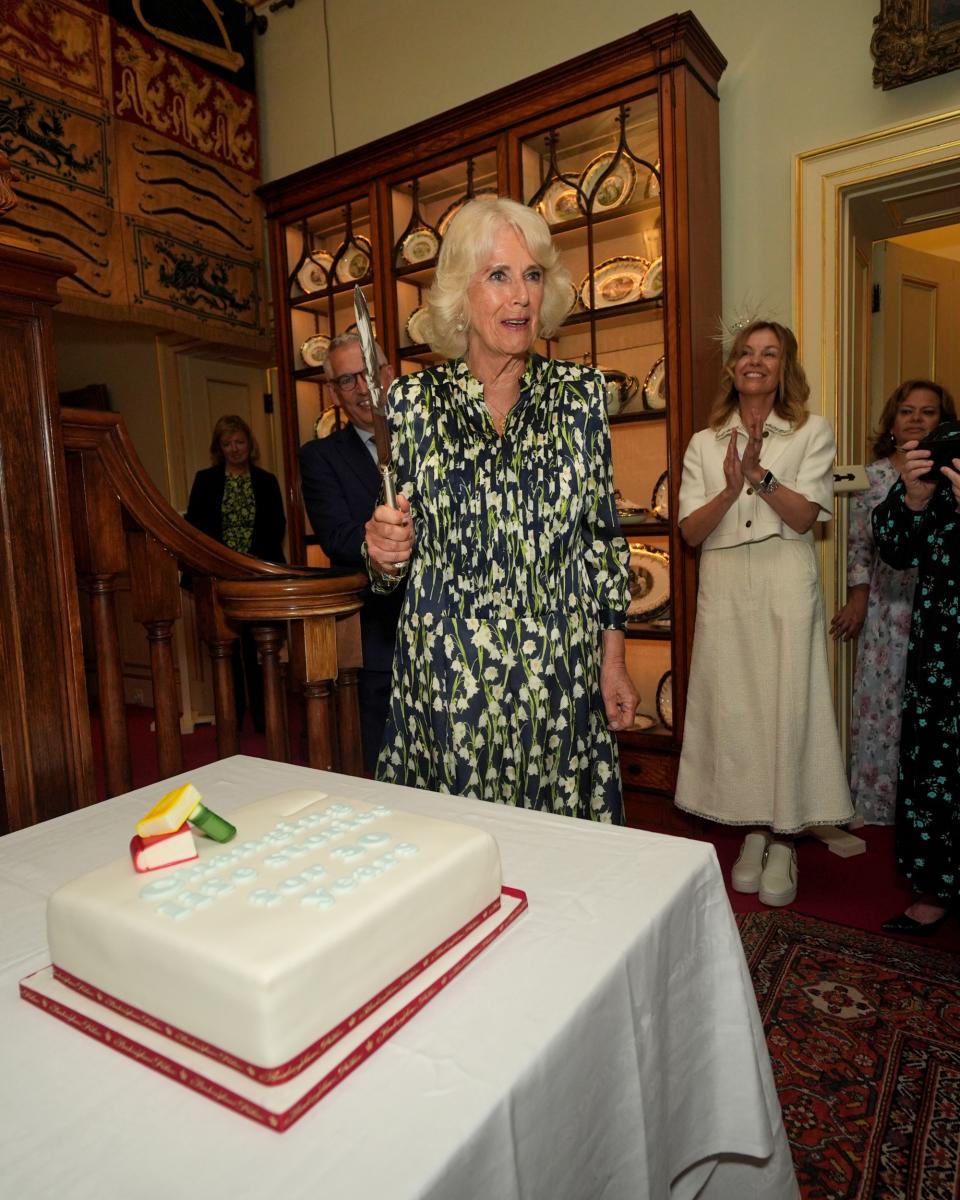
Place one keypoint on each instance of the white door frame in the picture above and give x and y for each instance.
(826, 181)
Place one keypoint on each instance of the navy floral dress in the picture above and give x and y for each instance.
(518, 567)
(928, 791)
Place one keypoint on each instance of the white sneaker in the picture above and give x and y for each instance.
(778, 882)
(745, 876)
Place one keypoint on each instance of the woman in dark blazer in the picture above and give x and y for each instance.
(239, 505)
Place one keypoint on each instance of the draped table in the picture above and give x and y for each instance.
(607, 1045)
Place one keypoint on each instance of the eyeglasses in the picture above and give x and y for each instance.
(348, 381)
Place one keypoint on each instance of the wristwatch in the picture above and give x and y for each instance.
(768, 484)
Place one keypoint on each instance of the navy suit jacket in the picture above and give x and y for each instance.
(341, 485)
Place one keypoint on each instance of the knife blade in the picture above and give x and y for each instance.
(378, 400)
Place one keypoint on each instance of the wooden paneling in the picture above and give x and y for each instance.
(47, 768)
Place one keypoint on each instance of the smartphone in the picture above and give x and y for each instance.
(944, 446)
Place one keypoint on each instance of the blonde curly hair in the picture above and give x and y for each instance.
(467, 244)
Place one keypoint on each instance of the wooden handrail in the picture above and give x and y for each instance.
(124, 529)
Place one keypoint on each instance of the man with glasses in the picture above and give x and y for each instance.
(341, 485)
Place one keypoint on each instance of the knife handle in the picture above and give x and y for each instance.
(390, 499)
(389, 487)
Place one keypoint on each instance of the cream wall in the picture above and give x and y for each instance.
(124, 357)
(799, 77)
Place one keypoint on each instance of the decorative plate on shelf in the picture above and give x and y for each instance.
(560, 203)
(356, 259)
(660, 500)
(651, 188)
(451, 212)
(655, 386)
(665, 699)
(314, 274)
(418, 326)
(615, 281)
(314, 349)
(326, 423)
(651, 286)
(616, 189)
(644, 721)
(649, 581)
(419, 246)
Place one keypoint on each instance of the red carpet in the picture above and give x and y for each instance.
(864, 1037)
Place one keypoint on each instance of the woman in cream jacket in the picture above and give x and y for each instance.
(760, 746)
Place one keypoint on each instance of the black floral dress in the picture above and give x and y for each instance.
(928, 791)
(518, 566)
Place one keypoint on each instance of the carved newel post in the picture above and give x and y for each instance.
(44, 735)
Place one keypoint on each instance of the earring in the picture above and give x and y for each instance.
(460, 324)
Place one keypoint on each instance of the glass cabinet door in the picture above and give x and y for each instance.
(420, 210)
(327, 253)
(597, 181)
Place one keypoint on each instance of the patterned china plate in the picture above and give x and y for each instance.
(313, 350)
(617, 187)
(419, 246)
(652, 285)
(660, 500)
(314, 275)
(649, 582)
(418, 326)
(326, 423)
(655, 386)
(616, 281)
(665, 699)
(652, 187)
(560, 203)
(451, 212)
(355, 263)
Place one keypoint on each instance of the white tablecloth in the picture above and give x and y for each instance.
(607, 1046)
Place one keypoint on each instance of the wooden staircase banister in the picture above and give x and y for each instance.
(104, 435)
(126, 531)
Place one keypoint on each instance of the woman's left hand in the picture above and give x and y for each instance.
(616, 687)
(953, 475)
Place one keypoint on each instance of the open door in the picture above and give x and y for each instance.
(915, 320)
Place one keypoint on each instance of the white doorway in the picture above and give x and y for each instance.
(888, 184)
(199, 384)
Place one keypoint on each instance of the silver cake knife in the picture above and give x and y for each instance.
(378, 400)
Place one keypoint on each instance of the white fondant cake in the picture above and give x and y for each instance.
(266, 944)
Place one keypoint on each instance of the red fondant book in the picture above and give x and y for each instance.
(165, 850)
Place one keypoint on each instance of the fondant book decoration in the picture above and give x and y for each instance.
(165, 850)
(163, 831)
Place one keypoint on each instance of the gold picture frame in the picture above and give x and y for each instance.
(914, 39)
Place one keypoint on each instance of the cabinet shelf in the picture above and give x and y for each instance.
(649, 633)
(641, 414)
(317, 300)
(576, 224)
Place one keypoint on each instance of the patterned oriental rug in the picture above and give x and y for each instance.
(864, 1037)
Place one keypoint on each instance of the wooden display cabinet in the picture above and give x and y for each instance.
(619, 149)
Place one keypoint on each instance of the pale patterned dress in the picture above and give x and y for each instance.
(518, 566)
(881, 656)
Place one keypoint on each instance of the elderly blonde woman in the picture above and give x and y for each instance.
(760, 743)
(509, 675)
